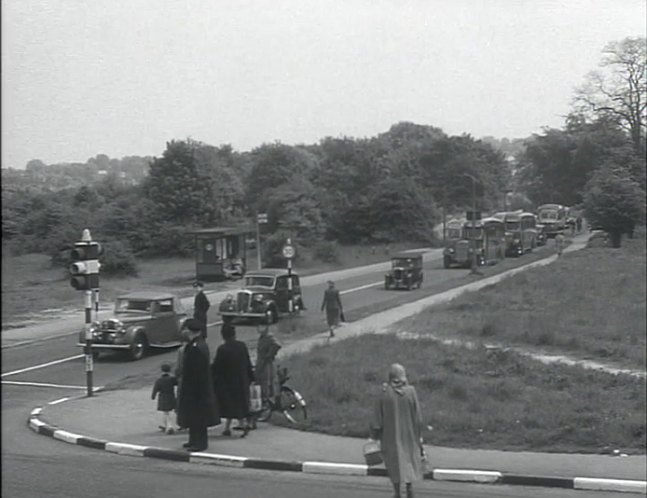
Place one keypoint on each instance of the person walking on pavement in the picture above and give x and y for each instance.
(201, 305)
(397, 424)
(232, 373)
(578, 224)
(266, 350)
(332, 306)
(559, 243)
(197, 408)
(164, 390)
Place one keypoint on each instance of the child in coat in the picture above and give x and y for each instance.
(166, 403)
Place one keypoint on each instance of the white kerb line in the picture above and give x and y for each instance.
(43, 365)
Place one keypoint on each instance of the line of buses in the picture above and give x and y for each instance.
(503, 234)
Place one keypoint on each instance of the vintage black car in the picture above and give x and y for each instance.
(140, 320)
(265, 297)
(405, 272)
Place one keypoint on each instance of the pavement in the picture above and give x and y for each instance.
(102, 423)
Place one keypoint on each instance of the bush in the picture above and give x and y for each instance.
(327, 251)
(118, 259)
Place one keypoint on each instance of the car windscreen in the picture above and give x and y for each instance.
(548, 215)
(473, 233)
(132, 306)
(402, 263)
(453, 233)
(512, 225)
(259, 280)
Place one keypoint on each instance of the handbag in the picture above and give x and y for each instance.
(372, 453)
(255, 401)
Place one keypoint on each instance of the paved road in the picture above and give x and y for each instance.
(34, 466)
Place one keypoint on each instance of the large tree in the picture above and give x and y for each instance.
(614, 201)
(618, 90)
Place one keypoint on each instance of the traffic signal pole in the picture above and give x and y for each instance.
(84, 273)
(88, 341)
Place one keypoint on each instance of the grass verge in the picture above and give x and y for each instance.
(473, 397)
(590, 304)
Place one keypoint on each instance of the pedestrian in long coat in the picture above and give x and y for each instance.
(397, 423)
(233, 373)
(197, 407)
(332, 305)
(201, 305)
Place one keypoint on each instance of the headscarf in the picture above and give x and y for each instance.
(397, 378)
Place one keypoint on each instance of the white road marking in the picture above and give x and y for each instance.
(58, 401)
(41, 384)
(361, 287)
(43, 365)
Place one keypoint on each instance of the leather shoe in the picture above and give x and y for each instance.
(193, 449)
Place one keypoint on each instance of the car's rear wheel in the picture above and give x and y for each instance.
(139, 347)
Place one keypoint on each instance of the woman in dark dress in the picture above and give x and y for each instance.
(232, 373)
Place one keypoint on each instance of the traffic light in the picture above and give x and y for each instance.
(84, 269)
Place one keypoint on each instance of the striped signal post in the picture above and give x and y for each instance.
(84, 272)
(288, 253)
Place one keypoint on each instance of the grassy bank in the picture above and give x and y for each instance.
(30, 284)
(474, 398)
(590, 304)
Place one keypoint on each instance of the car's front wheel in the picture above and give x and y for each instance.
(139, 347)
(447, 261)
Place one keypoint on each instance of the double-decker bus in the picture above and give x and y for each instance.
(553, 217)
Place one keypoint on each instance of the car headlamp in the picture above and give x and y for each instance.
(258, 298)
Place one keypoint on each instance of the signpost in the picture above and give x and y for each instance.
(289, 253)
(260, 219)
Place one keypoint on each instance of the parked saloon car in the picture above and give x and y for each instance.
(140, 320)
(265, 297)
(406, 272)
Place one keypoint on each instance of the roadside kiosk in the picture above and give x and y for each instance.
(221, 253)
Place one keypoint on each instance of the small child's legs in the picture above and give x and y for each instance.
(167, 422)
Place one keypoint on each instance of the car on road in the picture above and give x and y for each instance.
(405, 272)
(542, 235)
(140, 320)
(265, 296)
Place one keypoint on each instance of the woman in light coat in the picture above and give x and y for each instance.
(397, 423)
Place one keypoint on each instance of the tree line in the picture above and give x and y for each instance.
(391, 187)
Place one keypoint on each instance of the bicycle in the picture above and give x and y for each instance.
(289, 402)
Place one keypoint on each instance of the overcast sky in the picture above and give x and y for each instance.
(122, 77)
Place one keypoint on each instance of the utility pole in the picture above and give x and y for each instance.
(474, 266)
(260, 219)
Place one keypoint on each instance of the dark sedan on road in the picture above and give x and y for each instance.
(141, 320)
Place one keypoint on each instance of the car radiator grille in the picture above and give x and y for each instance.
(397, 274)
(243, 301)
(461, 252)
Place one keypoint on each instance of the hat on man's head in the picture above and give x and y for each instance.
(198, 284)
(193, 325)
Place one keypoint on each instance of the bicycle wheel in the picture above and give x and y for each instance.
(293, 405)
(265, 413)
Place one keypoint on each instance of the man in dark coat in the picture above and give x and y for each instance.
(232, 373)
(197, 408)
(200, 307)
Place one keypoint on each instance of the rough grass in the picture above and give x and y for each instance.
(30, 284)
(591, 303)
(473, 397)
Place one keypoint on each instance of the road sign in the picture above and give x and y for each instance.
(288, 251)
(261, 218)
